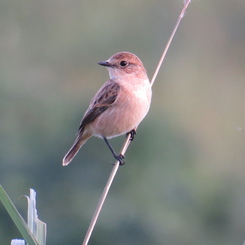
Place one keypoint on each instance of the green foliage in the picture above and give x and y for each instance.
(34, 232)
(17, 218)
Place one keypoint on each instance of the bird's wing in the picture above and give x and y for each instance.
(103, 99)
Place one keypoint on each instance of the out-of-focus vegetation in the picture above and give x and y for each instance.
(184, 179)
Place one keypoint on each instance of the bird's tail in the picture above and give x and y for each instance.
(79, 142)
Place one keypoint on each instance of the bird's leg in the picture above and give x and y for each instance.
(119, 157)
(132, 134)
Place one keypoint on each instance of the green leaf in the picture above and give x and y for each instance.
(17, 218)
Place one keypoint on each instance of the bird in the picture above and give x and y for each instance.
(119, 105)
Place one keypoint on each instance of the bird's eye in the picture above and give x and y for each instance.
(123, 63)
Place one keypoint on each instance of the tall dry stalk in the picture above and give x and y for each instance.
(127, 141)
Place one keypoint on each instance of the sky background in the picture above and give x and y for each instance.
(184, 178)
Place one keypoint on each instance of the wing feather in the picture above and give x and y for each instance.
(103, 99)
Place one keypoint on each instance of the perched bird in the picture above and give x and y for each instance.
(119, 105)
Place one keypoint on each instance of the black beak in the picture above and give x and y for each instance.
(105, 63)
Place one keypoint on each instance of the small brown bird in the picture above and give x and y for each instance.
(118, 107)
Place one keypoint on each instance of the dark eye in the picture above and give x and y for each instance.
(123, 63)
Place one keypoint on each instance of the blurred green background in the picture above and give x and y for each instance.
(184, 179)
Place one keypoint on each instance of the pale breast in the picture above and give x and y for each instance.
(126, 113)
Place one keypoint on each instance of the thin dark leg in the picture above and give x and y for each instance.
(132, 134)
(119, 157)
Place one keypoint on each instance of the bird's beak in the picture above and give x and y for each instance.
(105, 63)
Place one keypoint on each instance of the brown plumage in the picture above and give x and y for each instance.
(119, 105)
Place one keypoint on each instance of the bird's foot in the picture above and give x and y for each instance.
(120, 158)
(132, 134)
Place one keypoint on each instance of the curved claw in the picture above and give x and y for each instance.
(120, 158)
(132, 134)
